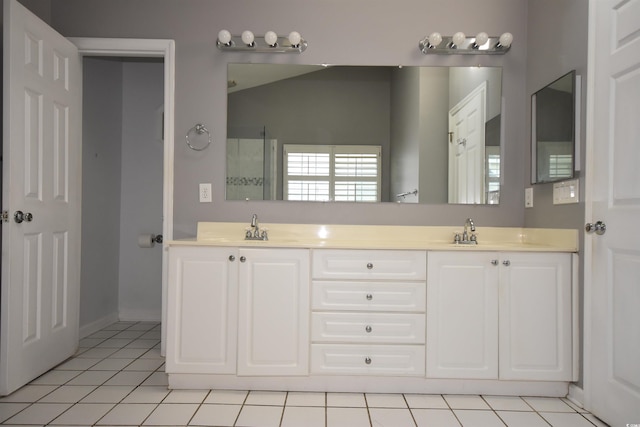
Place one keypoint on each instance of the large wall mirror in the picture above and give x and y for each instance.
(364, 133)
(553, 131)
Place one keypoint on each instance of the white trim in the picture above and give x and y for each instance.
(576, 395)
(149, 48)
(97, 325)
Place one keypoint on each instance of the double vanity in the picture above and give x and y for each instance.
(373, 309)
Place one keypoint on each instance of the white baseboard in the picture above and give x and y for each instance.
(140, 316)
(96, 325)
(576, 395)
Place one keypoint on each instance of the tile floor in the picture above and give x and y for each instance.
(117, 379)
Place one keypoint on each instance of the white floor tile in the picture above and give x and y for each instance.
(102, 334)
(68, 394)
(186, 396)
(29, 393)
(271, 398)
(348, 400)
(260, 416)
(83, 414)
(118, 326)
(114, 343)
(153, 353)
(548, 404)
(147, 394)
(216, 415)
(77, 364)
(172, 414)
(522, 419)
(426, 401)
(595, 421)
(129, 335)
(111, 364)
(574, 406)
(391, 417)
(92, 378)
(151, 335)
(375, 400)
(507, 403)
(39, 413)
(89, 342)
(149, 365)
(96, 353)
(297, 416)
(459, 401)
(348, 417)
(565, 419)
(230, 397)
(143, 326)
(306, 399)
(156, 378)
(128, 353)
(127, 378)
(478, 418)
(8, 410)
(435, 418)
(127, 414)
(142, 343)
(108, 394)
(56, 377)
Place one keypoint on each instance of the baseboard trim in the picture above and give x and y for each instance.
(576, 395)
(140, 316)
(96, 325)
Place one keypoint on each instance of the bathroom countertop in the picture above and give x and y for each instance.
(384, 237)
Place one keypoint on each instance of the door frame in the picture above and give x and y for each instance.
(158, 48)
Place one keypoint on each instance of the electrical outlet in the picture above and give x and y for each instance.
(528, 197)
(205, 193)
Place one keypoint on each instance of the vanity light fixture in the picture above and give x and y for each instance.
(459, 43)
(270, 43)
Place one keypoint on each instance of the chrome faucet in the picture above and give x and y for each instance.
(254, 232)
(467, 238)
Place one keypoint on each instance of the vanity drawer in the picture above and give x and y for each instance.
(369, 264)
(338, 359)
(369, 296)
(382, 328)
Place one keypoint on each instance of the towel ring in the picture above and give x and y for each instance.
(198, 129)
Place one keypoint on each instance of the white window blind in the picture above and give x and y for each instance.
(331, 172)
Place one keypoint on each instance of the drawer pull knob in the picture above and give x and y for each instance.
(368, 329)
(370, 266)
(367, 360)
(369, 297)
(506, 263)
(243, 258)
(232, 258)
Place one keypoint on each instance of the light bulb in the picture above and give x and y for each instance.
(271, 38)
(481, 38)
(247, 38)
(294, 38)
(458, 38)
(435, 39)
(506, 39)
(224, 37)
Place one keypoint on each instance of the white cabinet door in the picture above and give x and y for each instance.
(273, 321)
(462, 315)
(535, 316)
(202, 314)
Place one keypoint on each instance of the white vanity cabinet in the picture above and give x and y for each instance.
(368, 312)
(238, 311)
(202, 311)
(273, 320)
(501, 316)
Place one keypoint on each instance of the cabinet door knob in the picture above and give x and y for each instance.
(368, 329)
(369, 265)
(232, 258)
(494, 262)
(367, 360)
(369, 297)
(243, 258)
(506, 262)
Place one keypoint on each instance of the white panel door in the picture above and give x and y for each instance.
(462, 315)
(612, 334)
(273, 318)
(41, 179)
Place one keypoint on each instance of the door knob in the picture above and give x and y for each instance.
(20, 216)
(599, 228)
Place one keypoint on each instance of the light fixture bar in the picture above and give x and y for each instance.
(260, 45)
(465, 45)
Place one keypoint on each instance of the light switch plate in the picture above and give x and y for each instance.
(528, 197)
(566, 192)
(205, 193)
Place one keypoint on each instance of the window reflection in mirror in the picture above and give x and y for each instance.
(400, 114)
(553, 130)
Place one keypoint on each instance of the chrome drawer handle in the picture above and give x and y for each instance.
(369, 266)
(368, 329)
(367, 360)
(369, 297)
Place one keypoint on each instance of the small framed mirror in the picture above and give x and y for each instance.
(553, 130)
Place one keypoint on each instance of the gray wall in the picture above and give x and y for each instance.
(101, 154)
(355, 32)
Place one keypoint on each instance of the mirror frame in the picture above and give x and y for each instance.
(536, 124)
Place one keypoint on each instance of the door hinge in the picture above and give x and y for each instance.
(5, 216)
